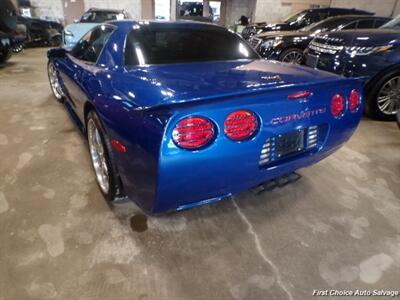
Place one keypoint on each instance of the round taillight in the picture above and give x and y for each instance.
(338, 105)
(193, 132)
(354, 100)
(240, 125)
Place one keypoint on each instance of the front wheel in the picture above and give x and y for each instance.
(5, 54)
(383, 100)
(102, 159)
(292, 56)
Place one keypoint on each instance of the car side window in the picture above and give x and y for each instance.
(310, 18)
(351, 25)
(90, 46)
(362, 24)
(322, 16)
(379, 23)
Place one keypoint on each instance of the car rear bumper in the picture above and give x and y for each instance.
(262, 176)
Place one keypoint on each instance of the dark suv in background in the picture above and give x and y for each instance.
(8, 24)
(300, 20)
(288, 46)
(41, 32)
(374, 54)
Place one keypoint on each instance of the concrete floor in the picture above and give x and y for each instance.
(336, 228)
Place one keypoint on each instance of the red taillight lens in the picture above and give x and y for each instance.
(240, 125)
(193, 132)
(354, 100)
(338, 105)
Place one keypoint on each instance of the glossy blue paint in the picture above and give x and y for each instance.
(141, 105)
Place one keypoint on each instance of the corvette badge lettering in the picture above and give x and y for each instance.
(300, 116)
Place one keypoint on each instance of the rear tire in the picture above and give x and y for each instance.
(54, 81)
(292, 56)
(383, 97)
(102, 159)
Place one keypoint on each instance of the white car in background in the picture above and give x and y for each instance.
(72, 33)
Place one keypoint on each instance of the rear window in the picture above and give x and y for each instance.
(153, 44)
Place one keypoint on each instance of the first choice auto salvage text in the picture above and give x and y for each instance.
(356, 293)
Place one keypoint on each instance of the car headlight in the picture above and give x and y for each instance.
(360, 51)
(271, 43)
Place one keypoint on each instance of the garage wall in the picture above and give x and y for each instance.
(397, 9)
(380, 7)
(134, 7)
(277, 10)
(48, 8)
(236, 8)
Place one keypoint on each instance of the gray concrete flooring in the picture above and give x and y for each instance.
(336, 228)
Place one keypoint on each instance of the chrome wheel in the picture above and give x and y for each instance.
(54, 82)
(98, 156)
(389, 96)
(293, 57)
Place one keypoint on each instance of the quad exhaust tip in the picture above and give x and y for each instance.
(276, 182)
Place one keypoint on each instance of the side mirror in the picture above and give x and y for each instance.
(56, 53)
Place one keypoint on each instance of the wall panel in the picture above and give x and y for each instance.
(380, 7)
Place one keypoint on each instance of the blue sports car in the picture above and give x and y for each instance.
(179, 114)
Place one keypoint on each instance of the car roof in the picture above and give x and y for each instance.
(356, 17)
(335, 9)
(178, 23)
(105, 10)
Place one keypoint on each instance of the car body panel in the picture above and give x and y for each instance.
(140, 106)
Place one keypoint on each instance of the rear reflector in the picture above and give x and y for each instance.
(265, 155)
(193, 132)
(119, 146)
(338, 105)
(354, 100)
(240, 125)
(299, 95)
(312, 137)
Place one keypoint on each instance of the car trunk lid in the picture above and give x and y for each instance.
(185, 83)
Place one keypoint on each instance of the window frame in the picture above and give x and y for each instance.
(345, 27)
(113, 29)
(366, 20)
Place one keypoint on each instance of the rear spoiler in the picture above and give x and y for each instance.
(254, 91)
